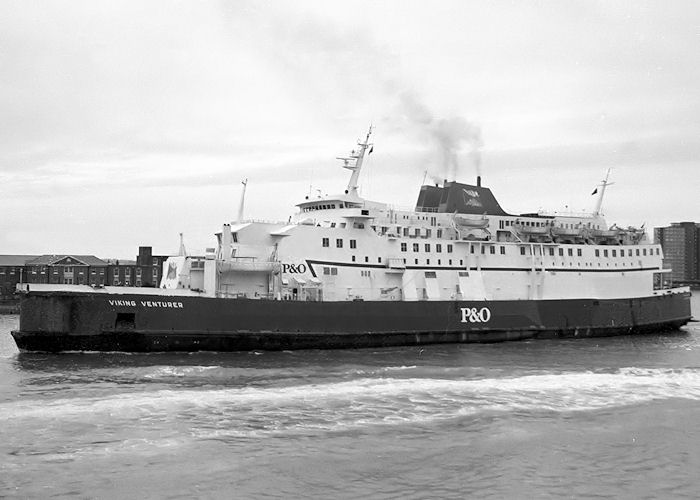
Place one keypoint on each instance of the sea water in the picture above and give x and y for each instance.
(612, 417)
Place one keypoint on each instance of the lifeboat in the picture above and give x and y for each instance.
(464, 220)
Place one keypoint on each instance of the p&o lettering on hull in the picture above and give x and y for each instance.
(475, 315)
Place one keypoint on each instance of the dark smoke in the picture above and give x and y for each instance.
(450, 135)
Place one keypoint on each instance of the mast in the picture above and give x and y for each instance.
(601, 193)
(354, 163)
(242, 205)
(182, 252)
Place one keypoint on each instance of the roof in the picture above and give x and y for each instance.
(15, 260)
(47, 260)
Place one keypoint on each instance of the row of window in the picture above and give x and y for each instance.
(502, 250)
(427, 247)
(326, 242)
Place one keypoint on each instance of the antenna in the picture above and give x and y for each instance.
(182, 252)
(604, 183)
(242, 205)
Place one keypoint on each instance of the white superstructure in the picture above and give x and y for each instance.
(458, 244)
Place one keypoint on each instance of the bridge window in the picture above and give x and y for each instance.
(326, 242)
(416, 247)
(353, 243)
(597, 252)
(449, 248)
(503, 250)
(578, 252)
(403, 247)
(561, 252)
(339, 243)
(492, 250)
(438, 248)
(427, 247)
(605, 253)
(570, 252)
(522, 250)
(614, 253)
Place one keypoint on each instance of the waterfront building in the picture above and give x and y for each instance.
(66, 269)
(681, 245)
(145, 271)
(12, 271)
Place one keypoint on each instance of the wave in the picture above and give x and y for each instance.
(379, 399)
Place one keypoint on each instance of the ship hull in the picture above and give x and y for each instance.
(67, 321)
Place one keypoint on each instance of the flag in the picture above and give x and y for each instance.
(594, 191)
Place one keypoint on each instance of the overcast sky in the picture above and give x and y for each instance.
(125, 123)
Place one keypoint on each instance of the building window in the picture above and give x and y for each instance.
(503, 250)
(522, 250)
(438, 248)
(339, 243)
(551, 251)
(416, 247)
(427, 247)
(449, 248)
(138, 272)
(578, 252)
(155, 274)
(471, 248)
(353, 243)
(127, 272)
(492, 250)
(597, 252)
(614, 253)
(605, 253)
(403, 247)
(570, 252)
(561, 252)
(326, 242)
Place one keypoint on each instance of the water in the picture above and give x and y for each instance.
(612, 417)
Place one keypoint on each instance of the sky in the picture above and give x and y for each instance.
(126, 123)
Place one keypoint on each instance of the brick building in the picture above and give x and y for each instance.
(146, 270)
(681, 245)
(66, 269)
(12, 271)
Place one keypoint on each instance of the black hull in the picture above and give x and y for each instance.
(68, 321)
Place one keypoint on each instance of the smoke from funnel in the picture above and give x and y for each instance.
(450, 135)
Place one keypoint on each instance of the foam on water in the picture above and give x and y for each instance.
(373, 400)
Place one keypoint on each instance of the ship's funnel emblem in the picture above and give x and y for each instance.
(172, 271)
(470, 198)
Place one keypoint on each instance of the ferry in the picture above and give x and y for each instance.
(348, 272)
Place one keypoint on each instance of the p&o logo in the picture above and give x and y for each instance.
(294, 268)
(474, 315)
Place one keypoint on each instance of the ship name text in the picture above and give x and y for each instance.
(147, 303)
